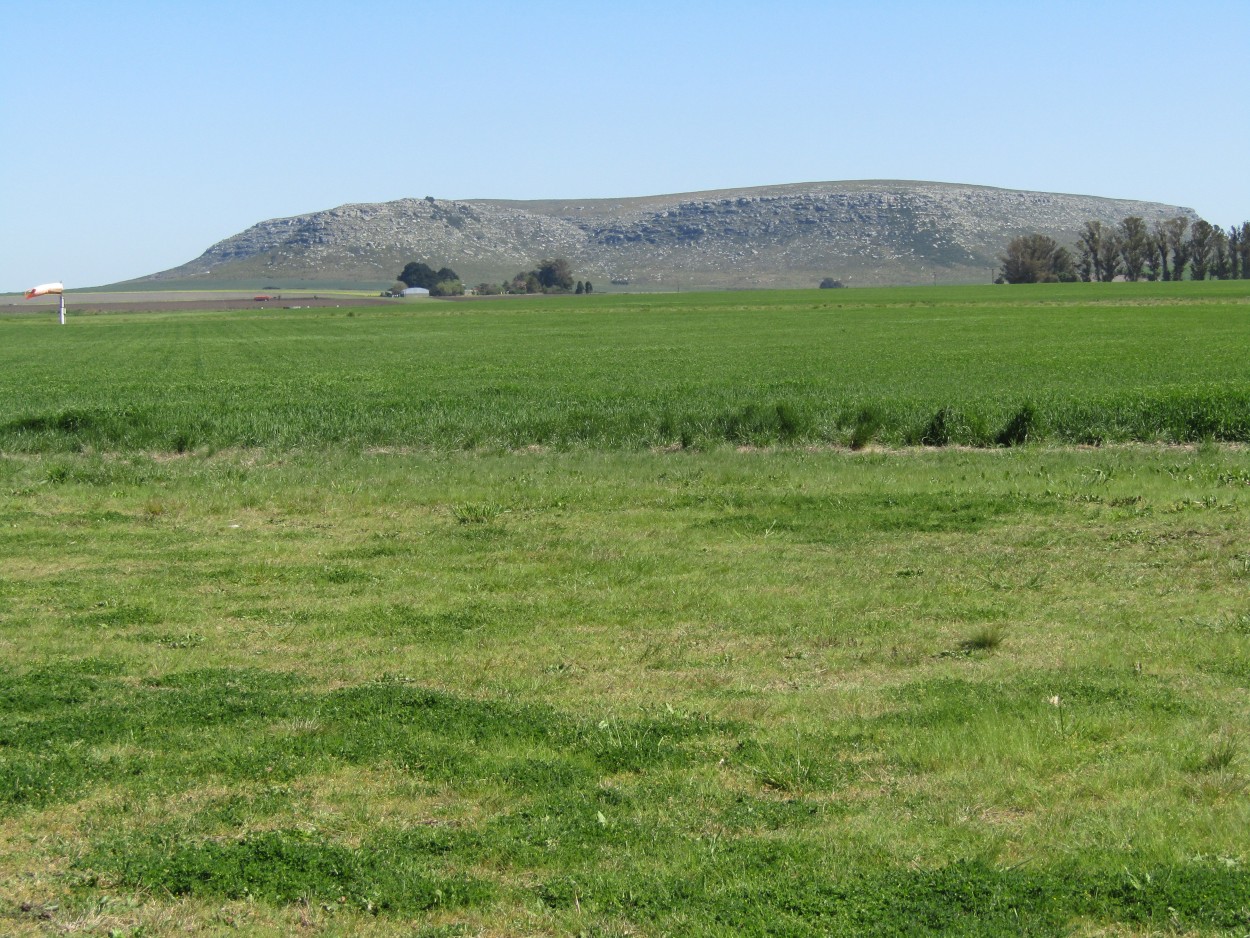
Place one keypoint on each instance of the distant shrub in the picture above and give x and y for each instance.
(830, 284)
(447, 288)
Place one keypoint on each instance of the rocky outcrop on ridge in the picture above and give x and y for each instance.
(860, 232)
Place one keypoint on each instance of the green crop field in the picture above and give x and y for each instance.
(631, 616)
(978, 366)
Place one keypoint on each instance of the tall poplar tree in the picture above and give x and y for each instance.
(1089, 249)
(1159, 243)
(1109, 255)
(1135, 246)
(1219, 253)
(1179, 246)
(1201, 237)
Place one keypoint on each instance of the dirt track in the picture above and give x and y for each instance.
(171, 306)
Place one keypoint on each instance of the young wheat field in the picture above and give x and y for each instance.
(879, 612)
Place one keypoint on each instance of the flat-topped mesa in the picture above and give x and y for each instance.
(864, 232)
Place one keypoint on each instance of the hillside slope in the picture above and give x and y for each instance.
(866, 232)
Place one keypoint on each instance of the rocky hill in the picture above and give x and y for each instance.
(870, 232)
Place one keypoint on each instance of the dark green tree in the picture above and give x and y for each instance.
(554, 273)
(525, 282)
(1109, 255)
(1089, 250)
(1036, 258)
(1159, 258)
(1234, 253)
(1135, 246)
(1178, 244)
(1219, 253)
(581, 288)
(1201, 238)
(417, 274)
(589, 287)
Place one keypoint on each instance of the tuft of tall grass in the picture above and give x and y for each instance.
(1020, 429)
(475, 512)
(1220, 757)
(938, 430)
(986, 638)
(867, 423)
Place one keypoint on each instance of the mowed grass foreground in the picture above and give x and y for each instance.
(1082, 363)
(373, 683)
(711, 694)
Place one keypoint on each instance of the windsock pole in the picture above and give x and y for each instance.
(55, 289)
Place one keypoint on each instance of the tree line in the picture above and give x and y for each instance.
(552, 275)
(1167, 250)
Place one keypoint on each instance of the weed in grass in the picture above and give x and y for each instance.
(1061, 714)
(406, 621)
(986, 638)
(114, 614)
(797, 766)
(339, 574)
(1208, 446)
(173, 639)
(475, 512)
(1221, 756)
(57, 474)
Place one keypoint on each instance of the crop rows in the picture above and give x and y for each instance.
(977, 367)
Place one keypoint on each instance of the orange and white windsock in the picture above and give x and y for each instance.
(44, 289)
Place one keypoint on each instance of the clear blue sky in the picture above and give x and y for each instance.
(138, 133)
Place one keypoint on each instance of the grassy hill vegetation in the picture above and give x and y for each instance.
(578, 616)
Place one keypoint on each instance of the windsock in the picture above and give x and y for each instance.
(44, 289)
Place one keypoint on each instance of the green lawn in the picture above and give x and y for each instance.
(352, 678)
